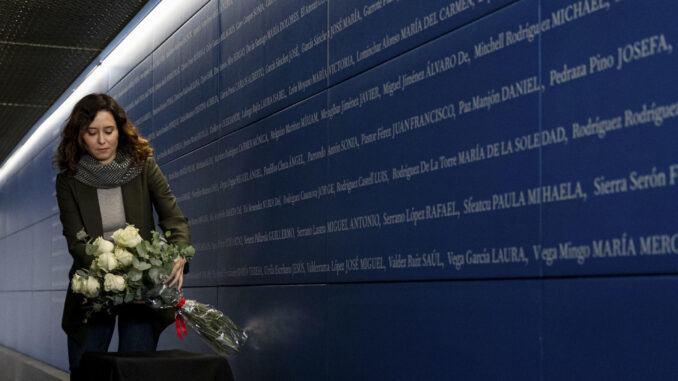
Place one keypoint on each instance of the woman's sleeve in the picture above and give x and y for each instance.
(170, 217)
(71, 222)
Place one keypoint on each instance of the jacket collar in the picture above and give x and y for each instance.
(131, 192)
(89, 209)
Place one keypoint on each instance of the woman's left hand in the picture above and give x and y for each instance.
(177, 275)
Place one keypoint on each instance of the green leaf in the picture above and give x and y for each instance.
(141, 249)
(129, 297)
(134, 274)
(91, 250)
(155, 248)
(81, 235)
(139, 265)
(155, 262)
(188, 252)
(82, 273)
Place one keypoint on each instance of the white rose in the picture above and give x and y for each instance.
(76, 284)
(103, 246)
(123, 256)
(114, 282)
(91, 287)
(107, 262)
(127, 237)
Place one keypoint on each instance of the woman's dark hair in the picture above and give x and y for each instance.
(72, 146)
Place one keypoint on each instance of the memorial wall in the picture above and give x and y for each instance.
(390, 189)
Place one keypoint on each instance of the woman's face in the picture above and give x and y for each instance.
(101, 137)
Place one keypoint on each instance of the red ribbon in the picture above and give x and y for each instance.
(179, 320)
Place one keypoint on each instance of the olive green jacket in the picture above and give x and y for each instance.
(79, 208)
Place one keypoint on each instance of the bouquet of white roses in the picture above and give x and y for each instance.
(126, 269)
(133, 269)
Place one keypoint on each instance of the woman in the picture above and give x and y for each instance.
(108, 179)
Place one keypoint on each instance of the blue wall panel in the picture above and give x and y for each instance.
(194, 103)
(134, 93)
(195, 183)
(166, 86)
(55, 338)
(45, 194)
(61, 260)
(610, 328)
(267, 62)
(617, 152)
(17, 220)
(363, 33)
(14, 315)
(278, 201)
(431, 144)
(398, 331)
(19, 258)
(4, 312)
(35, 342)
(4, 265)
(3, 210)
(42, 247)
(287, 328)
(402, 331)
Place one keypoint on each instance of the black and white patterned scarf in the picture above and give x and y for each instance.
(114, 174)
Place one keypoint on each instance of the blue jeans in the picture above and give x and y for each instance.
(135, 334)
